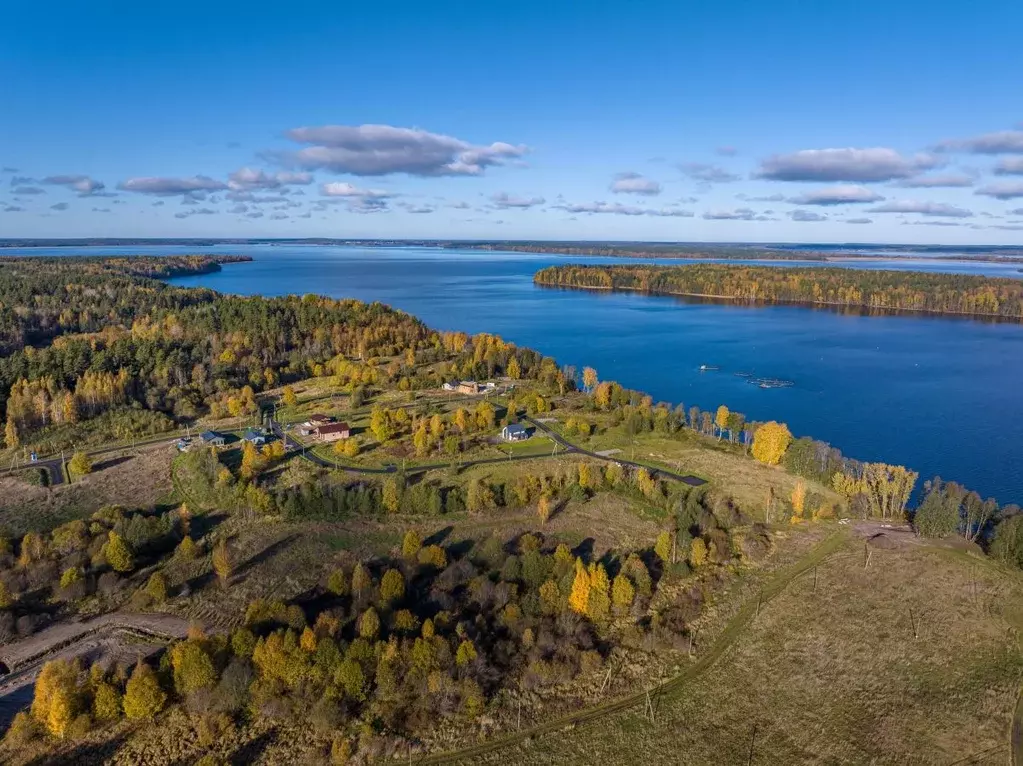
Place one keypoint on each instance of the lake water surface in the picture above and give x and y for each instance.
(940, 395)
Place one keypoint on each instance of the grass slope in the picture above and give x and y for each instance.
(828, 675)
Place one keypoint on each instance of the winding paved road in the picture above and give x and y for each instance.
(567, 449)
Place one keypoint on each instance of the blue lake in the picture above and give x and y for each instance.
(940, 395)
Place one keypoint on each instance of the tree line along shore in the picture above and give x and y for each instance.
(871, 290)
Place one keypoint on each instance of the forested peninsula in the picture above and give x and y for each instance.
(868, 290)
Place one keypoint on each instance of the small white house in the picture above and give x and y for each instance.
(513, 432)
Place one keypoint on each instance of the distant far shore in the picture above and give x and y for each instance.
(613, 249)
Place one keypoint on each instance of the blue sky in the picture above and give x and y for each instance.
(728, 121)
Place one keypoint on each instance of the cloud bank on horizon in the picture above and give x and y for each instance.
(846, 180)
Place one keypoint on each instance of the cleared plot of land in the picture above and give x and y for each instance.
(912, 660)
(141, 480)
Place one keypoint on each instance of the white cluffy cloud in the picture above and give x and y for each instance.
(854, 165)
(378, 150)
(635, 183)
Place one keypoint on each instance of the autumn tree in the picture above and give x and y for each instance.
(598, 601)
(156, 588)
(187, 549)
(623, 593)
(11, 436)
(513, 369)
(390, 497)
(369, 624)
(143, 697)
(646, 483)
(380, 424)
(770, 442)
(721, 420)
(57, 697)
(118, 554)
(80, 464)
(336, 583)
(222, 563)
(662, 547)
(289, 397)
(392, 586)
(361, 580)
(193, 668)
(106, 702)
(466, 653)
(697, 553)
(798, 500)
(485, 416)
(480, 497)
(543, 509)
(589, 378)
(579, 598)
(411, 544)
(252, 461)
(888, 488)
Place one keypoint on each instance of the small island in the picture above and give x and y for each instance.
(867, 290)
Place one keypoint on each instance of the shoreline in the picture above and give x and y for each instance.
(852, 308)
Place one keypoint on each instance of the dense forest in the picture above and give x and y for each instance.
(863, 289)
(91, 338)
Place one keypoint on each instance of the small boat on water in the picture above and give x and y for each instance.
(709, 367)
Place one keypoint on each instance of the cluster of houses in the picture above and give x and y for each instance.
(256, 436)
(324, 428)
(470, 387)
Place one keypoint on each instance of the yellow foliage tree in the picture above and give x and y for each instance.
(369, 624)
(186, 549)
(662, 546)
(580, 596)
(543, 509)
(513, 369)
(697, 553)
(222, 564)
(433, 555)
(106, 702)
(193, 668)
(411, 544)
(770, 442)
(798, 501)
(57, 697)
(598, 602)
(80, 464)
(623, 593)
(392, 586)
(288, 394)
(143, 697)
(391, 495)
(118, 554)
(589, 378)
(466, 653)
(721, 419)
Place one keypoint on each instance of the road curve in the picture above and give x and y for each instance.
(567, 449)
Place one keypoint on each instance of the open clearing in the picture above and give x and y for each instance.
(912, 659)
(141, 479)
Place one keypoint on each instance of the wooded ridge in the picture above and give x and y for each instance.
(874, 290)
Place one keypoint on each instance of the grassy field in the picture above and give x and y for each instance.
(141, 480)
(914, 659)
